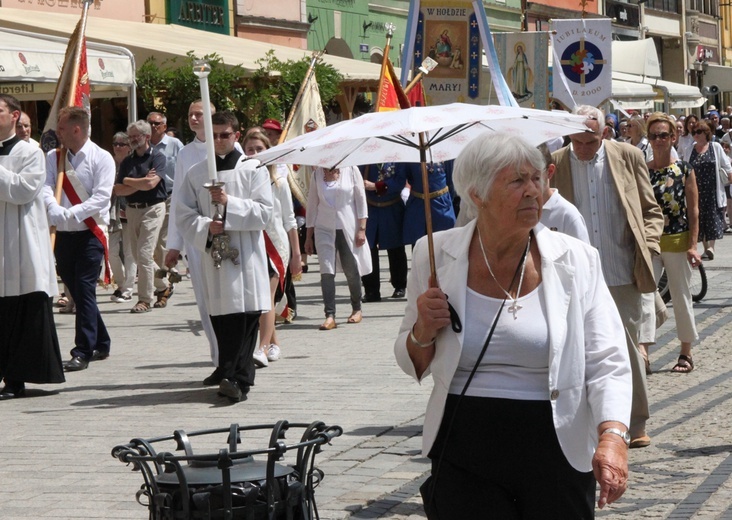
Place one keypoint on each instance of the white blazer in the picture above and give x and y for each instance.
(589, 370)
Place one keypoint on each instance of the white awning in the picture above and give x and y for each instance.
(632, 96)
(676, 95)
(27, 57)
(720, 76)
(636, 57)
(170, 41)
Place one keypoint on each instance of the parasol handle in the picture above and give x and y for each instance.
(427, 208)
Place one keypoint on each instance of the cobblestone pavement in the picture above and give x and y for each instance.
(55, 457)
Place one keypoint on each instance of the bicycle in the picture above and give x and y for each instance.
(698, 285)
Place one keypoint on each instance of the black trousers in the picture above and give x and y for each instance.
(503, 461)
(397, 271)
(236, 335)
(79, 258)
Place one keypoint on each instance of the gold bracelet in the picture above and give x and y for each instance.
(418, 343)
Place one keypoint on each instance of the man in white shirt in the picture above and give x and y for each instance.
(169, 147)
(24, 129)
(81, 219)
(557, 213)
(610, 185)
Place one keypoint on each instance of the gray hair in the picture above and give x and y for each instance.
(592, 113)
(483, 159)
(141, 126)
(162, 116)
(121, 136)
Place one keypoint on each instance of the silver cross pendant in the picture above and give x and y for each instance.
(514, 308)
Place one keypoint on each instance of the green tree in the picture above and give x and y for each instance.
(171, 86)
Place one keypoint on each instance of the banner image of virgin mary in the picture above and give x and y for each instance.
(520, 76)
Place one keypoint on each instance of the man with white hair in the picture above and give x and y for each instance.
(609, 183)
(140, 180)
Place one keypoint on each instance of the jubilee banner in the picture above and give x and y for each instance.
(582, 61)
(523, 58)
(447, 32)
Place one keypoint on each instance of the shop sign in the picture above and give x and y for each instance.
(206, 15)
(627, 15)
(707, 53)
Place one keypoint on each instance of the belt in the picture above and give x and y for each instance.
(140, 205)
(382, 204)
(433, 194)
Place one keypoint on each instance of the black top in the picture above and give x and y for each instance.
(7, 145)
(136, 167)
(228, 161)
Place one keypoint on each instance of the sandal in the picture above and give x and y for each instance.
(62, 301)
(328, 324)
(684, 365)
(647, 363)
(163, 297)
(355, 317)
(140, 307)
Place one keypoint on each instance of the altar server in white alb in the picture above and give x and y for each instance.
(191, 154)
(29, 349)
(235, 294)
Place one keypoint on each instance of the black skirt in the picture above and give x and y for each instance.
(29, 349)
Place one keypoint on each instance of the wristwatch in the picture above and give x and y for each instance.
(622, 434)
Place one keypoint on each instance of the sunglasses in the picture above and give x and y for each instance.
(222, 135)
(662, 135)
(697, 132)
(155, 123)
(119, 145)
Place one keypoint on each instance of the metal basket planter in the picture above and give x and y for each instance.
(230, 484)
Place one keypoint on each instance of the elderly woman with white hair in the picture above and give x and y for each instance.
(531, 398)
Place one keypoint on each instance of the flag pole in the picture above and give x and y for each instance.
(71, 100)
(308, 75)
(389, 33)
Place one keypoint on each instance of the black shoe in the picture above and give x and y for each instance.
(398, 293)
(214, 379)
(98, 355)
(12, 391)
(230, 388)
(75, 364)
(371, 298)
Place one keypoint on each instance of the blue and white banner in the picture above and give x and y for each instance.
(583, 48)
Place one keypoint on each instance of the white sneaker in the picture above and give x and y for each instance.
(260, 358)
(273, 352)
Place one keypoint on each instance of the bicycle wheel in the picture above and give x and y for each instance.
(698, 283)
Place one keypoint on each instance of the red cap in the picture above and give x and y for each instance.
(272, 124)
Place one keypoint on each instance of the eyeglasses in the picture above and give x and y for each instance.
(697, 132)
(662, 135)
(119, 145)
(155, 123)
(222, 135)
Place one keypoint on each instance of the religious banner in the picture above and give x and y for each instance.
(523, 58)
(447, 32)
(583, 48)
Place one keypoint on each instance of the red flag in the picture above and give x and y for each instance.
(391, 94)
(73, 87)
(416, 95)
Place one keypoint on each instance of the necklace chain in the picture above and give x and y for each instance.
(515, 307)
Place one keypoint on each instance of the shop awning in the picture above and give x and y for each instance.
(720, 76)
(628, 95)
(636, 57)
(170, 41)
(675, 95)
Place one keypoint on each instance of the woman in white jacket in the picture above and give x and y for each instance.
(531, 396)
(336, 227)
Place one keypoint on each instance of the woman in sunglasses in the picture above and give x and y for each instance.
(675, 187)
(708, 158)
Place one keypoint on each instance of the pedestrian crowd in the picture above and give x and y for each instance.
(523, 227)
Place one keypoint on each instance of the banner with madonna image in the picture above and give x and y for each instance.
(523, 58)
(582, 61)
